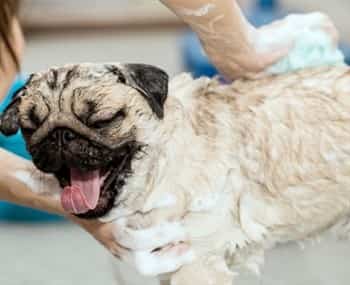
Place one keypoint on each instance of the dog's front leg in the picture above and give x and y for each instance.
(156, 237)
(168, 208)
(209, 270)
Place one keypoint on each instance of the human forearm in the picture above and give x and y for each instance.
(17, 184)
(223, 30)
(16, 192)
(202, 14)
(20, 183)
(215, 23)
(235, 47)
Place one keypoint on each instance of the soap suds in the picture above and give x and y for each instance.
(143, 242)
(312, 49)
(38, 182)
(150, 238)
(312, 45)
(27, 178)
(200, 12)
(204, 202)
(151, 264)
(165, 200)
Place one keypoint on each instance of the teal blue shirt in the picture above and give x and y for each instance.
(13, 143)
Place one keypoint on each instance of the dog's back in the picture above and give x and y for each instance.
(287, 139)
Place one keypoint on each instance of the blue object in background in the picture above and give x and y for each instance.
(194, 58)
(15, 144)
(265, 11)
(261, 13)
(346, 51)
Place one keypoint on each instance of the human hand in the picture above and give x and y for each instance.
(226, 36)
(22, 183)
(266, 45)
(103, 233)
(234, 46)
(292, 30)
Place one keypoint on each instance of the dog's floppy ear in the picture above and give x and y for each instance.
(9, 119)
(151, 82)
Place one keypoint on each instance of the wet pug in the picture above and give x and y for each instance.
(212, 174)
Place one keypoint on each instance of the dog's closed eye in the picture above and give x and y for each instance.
(34, 118)
(104, 118)
(32, 121)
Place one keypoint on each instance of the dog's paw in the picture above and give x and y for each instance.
(162, 260)
(149, 238)
(156, 250)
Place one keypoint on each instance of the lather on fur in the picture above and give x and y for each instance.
(237, 167)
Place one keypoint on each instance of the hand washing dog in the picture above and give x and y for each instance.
(200, 177)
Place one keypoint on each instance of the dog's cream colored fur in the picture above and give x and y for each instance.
(251, 164)
(240, 167)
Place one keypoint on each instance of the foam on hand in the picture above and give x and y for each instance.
(312, 45)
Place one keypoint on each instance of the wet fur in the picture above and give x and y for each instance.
(251, 164)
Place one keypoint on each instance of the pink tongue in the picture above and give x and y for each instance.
(84, 192)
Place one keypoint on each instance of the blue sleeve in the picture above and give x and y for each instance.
(16, 142)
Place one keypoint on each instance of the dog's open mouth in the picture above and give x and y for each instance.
(92, 193)
(83, 192)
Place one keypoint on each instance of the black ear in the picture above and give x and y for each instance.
(9, 119)
(151, 82)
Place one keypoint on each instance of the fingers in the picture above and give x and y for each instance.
(103, 233)
(275, 41)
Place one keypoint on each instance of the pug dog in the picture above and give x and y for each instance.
(201, 177)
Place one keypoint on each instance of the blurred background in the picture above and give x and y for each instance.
(39, 249)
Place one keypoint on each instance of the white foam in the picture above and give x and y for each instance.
(27, 178)
(312, 47)
(205, 202)
(200, 12)
(166, 200)
(151, 264)
(150, 238)
(38, 182)
(143, 242)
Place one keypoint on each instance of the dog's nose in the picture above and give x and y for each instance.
(62, 136)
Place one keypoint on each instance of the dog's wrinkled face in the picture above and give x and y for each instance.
(82, 123)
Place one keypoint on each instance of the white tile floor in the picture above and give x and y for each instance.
(59, 254)
(62, 254)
